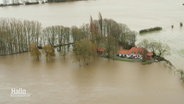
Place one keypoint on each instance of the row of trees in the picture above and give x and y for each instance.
(18, 36)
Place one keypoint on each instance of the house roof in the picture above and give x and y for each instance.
(135, 50)
(124, 52)
(132, 50)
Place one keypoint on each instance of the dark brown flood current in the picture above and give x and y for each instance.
(103, 82)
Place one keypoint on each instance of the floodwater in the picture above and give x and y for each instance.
(136, 14)
(104, 82)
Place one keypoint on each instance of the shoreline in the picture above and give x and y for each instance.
(37, 3)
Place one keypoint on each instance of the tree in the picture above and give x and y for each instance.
(50, 35)
(49, 51)
(111, 47)
(129, 39)
(96, 31)
(57, 36)
(111, 38)
(159, 49)
(101, 23)
(77, 34)
(35, 53)
(162, 49)
(84, 51)
(144, 43)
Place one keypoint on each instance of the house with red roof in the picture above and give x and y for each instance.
(136, 53)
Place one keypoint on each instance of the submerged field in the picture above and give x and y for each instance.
(103, 82)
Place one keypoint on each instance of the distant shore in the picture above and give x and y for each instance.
(36, 3)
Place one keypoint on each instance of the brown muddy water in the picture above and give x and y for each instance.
(136, 14)
(103, 82)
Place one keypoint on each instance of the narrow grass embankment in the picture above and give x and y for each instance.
(133, 60)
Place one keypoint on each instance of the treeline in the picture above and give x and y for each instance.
(18, 36)
(61, 0)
